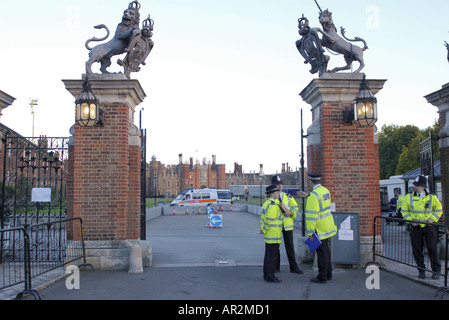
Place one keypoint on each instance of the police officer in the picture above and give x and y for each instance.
(425, 207)
(399, 207)
(319, 220)
(288, 204)
(271, 226)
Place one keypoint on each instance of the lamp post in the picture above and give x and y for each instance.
(303, 203)
(88, 111)
(33, 102)
(261, 179)
(155, 187)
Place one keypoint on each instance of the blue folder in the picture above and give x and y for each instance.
(313, 245)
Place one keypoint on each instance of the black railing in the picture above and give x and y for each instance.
(396, 245)
(14, 259)
(40, 248)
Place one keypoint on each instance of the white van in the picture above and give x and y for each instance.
(224, 196)
(196, 197)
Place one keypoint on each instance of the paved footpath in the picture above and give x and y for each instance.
(194, 262)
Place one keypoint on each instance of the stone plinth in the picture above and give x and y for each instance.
(103, 186)
(5, 101)
(115, 254)
(346, 155)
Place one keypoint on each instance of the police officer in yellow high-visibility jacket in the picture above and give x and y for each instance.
(421, 206)
(288, 226)
(271, 226)
(319, 220)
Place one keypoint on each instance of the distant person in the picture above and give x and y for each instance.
(423, 206)
(319, 220)
(289, 205)
(393, 203)
(392, 207)
(271, 227)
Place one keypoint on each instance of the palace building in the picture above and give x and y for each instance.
(170, 180)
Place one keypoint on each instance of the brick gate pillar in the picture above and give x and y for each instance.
(346, 155)
(104, 173)
(440, 99)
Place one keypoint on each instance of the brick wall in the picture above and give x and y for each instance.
(106, 178)
(346, 155)
(444, 167)
(348, 159)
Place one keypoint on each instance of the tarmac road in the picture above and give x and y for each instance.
(194, 262)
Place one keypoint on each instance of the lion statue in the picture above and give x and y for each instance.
(118, 44)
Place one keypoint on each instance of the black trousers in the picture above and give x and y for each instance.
(324, 260)
(289, 249)
(270, 260)
(428, 234)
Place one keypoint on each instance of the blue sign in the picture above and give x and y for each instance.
(215, 221)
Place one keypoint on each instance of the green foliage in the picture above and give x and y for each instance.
(392, 140)
(399, 148)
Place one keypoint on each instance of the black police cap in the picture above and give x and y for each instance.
(314, 176)
(271, 188)
(276, 179)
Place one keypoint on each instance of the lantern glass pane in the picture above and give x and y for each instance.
(369, 110)
(360, 111)
(78, 112)
(93, 111)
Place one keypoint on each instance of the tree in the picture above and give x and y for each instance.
(392, 141)
(409, 158)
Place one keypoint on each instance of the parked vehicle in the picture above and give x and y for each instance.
(224, 196)
(388, 188)
(196, 197)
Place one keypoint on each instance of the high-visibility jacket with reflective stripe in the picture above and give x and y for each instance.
(292, 205)
(271, 222)
(399, 202)
(318, 214)
(415, 208)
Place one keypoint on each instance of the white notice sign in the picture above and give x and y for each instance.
(41, 195)
(346, 225)
(347, 235)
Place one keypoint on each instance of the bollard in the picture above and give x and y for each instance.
(174, 211)
(199, 211)
(135, 259)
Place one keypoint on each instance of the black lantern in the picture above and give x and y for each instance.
(88, 111)
(365, 106)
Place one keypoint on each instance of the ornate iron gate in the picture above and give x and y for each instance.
(33, 188)
(426, 159)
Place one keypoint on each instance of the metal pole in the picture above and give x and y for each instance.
(302, 178)
(432, 168)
